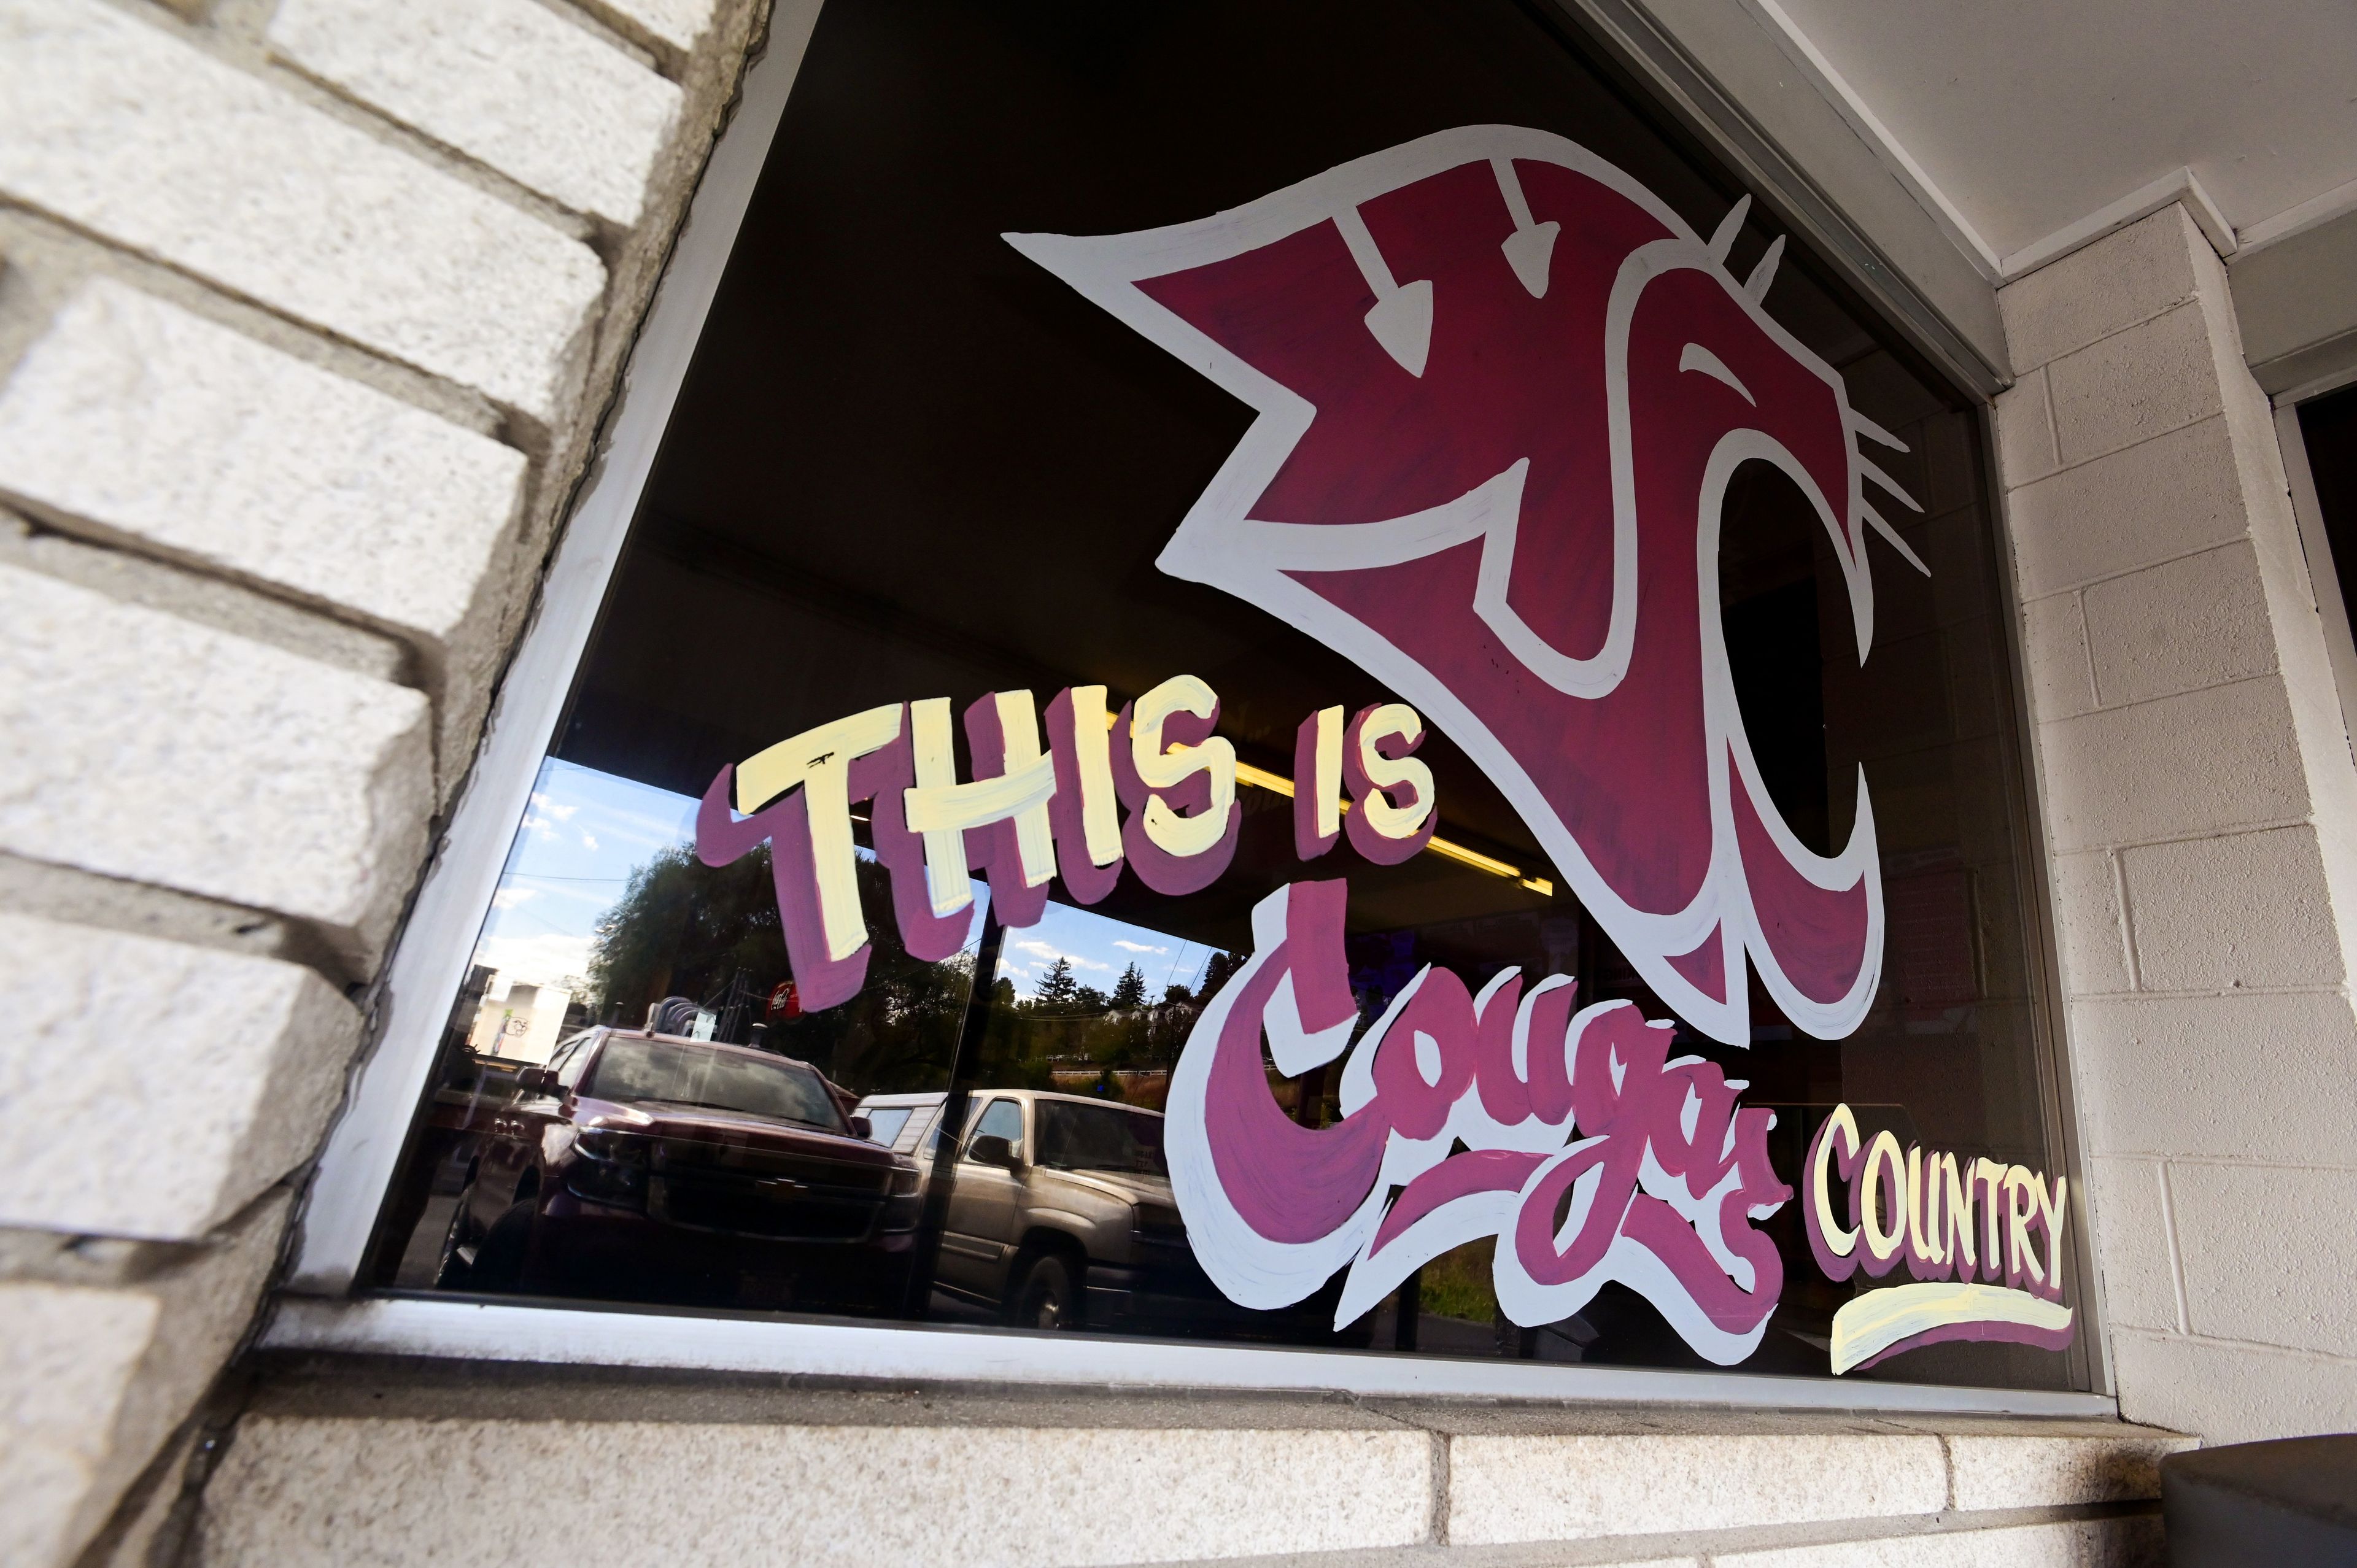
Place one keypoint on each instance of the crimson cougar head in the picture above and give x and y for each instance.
(1502, 391)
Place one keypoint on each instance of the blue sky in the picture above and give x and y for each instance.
(586, 831)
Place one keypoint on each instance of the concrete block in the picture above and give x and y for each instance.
(2156, 377)
(2131, 1543)
(456, 1492)
(209, 598)
(508, 81)
(2269, 1251)
(93, 1379)
(66, 1356)
(2133, 1242)
(153, 1090)
(163, 428)
(679, 23)
(121, 129)
(2231, 1393)
(2150, 503)
(150, 1523)
(2247, 910)
(2054, 644)
(2089, 925)
(2025, 431)
(137, 744)
(2212, 1076)
(2050, 1472)
(2201, 762)
(2117, 282)
(2199, 621)
(1564, 1488)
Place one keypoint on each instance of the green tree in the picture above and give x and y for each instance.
(681, 928)
(1215, 973)
(1129, 991)
(1057, 990)
(685, 929)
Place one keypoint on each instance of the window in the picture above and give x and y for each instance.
(884, 1125)
(1077, 1137)
(1450, 729)
(680, 1075)
(572, 1060)
(1000, 1119)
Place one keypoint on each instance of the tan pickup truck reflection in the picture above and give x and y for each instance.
(1061, 1217)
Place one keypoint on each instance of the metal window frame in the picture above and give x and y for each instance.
(430, 961)
(406, 1326)
(2090, 1350)
(315, 1309)
(1632, 35)
(2315, 544)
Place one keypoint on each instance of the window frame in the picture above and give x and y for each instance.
(322, 1306)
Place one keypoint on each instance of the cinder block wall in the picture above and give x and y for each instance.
(2200, 801)
(309, 311)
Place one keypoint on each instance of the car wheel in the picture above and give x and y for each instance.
(499, 1261)
(1050, 1296)
(460, 1246)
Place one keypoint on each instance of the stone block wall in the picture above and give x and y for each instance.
(308, 313)
(458, 1465)
(2201, 799)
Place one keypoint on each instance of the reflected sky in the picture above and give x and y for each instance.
(585, 832)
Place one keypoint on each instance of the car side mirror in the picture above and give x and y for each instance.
(536, 1080)
(861, 1127)
(992, 1150)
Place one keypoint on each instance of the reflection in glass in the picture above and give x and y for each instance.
(917, 467)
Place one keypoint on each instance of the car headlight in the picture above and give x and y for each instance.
(612, 1169)
(1159, 1222)
(904, 1203)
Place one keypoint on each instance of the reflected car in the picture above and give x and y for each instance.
(901, 1122)
(1060, 1216)
(645, 1166)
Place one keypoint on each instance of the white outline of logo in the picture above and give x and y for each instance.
(1219, 543)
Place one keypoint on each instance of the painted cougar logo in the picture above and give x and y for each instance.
(1497, 488)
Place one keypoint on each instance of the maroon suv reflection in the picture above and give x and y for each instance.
(651, 1167)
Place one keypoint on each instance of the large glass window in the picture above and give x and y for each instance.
(1294, 600)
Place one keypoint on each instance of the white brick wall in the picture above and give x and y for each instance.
(865, 1481)
(2199, 789)
(94, 1376)
(226, 1064)
(679, 23)
(301, 339)
(118, 126)
(141, 746)
(506, 81)
(150, 424)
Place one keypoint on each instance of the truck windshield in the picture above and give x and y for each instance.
(720, 1080)
(1077, 1137)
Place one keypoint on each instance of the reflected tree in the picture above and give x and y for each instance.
(686, 929)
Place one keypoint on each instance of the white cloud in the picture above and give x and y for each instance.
(1050, 952)
(562, 813)
(509, 898)
(1137, 947)
(588, 841)
(541, 960)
